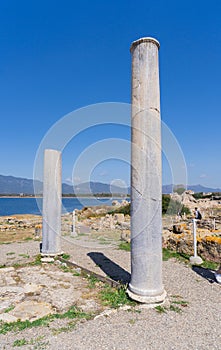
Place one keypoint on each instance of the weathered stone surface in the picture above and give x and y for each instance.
(119, 218)
(8, 318)
(51, 227)
(10, 281)
(47, 259)
(208, 243)
(90, 305)
(146, 174)
(81, 228)
(31, 310)
(40, 290)
(13, 223)
(5, 270)
(8, 290)
(196, 260)
(124, 225)
(177, 229)
(124, 203)
(210, 248)
(125, 236)
(115, 203)
(4, 305)
(32, 289)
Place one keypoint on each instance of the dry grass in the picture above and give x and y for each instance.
(16, 236)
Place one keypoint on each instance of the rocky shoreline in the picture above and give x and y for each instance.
(112, 223)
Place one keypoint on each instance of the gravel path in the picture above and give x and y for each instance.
(197, 327)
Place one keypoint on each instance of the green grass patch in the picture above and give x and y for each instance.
(21, 325)
(33, 341)
(16, 265)
(65, 268)
(10, 253)
(92, 280)
(37, 260)
(65, 256)
(125, 246)
(9, 309)
(176, 304)
(81, 235)
(20, 342)
(76, 273)
(72, 313)
(211, 265)
(182, 303)
(24, 255)
(175, 308)
(160, 309)
(67, 328)
(103, 240)
(115, 297)
(168, 254)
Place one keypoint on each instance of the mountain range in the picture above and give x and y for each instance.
(17, 185)
(194, 188)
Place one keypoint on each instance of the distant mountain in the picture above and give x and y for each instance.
(17, 185)
(200, 188)
(196, 188)
(167, 189)
(98, 188)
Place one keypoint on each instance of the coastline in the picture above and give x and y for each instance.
(12, 205)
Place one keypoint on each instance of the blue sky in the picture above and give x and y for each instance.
(59, 56)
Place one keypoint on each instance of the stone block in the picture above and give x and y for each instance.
(8, 318)
(31, 310)
(119, 217)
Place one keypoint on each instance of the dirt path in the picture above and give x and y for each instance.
(197, 326)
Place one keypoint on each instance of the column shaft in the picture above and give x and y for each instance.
(51, 229)
(146, 175)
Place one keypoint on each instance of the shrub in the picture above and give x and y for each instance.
(171, 207)
(121, 210)
(179, 190)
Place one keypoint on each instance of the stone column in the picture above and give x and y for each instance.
(146, 175)
(51, 228)
(73, 229)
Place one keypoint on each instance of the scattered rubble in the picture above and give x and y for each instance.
(104, 220)
(32, 292)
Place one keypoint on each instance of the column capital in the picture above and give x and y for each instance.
(144, 40)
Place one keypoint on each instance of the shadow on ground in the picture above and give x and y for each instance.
(112, 270)
(205, 273)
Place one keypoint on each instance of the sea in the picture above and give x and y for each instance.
(12, 206)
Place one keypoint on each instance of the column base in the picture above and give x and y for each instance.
(196, 260)
(49, 257)
(73, 234)
(146, 299)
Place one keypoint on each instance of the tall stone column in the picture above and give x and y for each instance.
(146, 175)
(51, 228)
